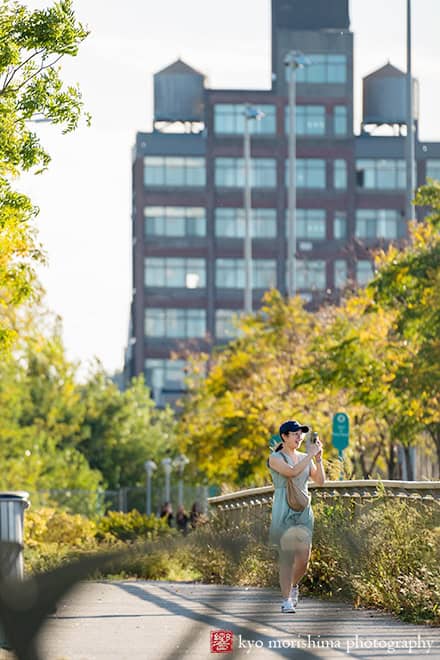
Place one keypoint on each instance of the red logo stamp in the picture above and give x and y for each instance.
(222, 641)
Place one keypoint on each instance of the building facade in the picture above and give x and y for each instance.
(188, 199)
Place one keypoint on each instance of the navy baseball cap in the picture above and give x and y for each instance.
(292, 425)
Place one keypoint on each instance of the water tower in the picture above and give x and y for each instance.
(179, 97)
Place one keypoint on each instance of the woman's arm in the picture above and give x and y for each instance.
(317, 472)
(286, 470)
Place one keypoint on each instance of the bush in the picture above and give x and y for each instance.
(131, 526)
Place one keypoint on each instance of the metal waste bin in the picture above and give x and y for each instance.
(12, 507)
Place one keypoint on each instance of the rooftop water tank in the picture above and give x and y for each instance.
(178, 93)
(384, 96)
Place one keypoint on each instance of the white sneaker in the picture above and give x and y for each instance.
(294, 595)
(287, 606)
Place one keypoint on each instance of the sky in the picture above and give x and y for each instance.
(85, 196)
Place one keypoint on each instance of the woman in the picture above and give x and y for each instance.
(291, 531)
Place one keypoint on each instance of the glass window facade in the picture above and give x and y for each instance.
(226, 323)
(229, 273)
(323, 68)
(381, 174)
(340, 125)
(364, 271)
(340, 225)
(433, 168)
(179, 272)
(311, 274)
(310, 173)
(165, 374)
(229, 119)
(379, 223)
(340, 273)
(229, 172)
(174, 171)
(175, 221)
(310, 224)
(310, 119)
(175, 323)
(230, 223)
(340, 174)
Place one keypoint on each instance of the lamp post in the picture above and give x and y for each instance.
(410, 148)
(167, 467)
(180, 463)
(150, 466)
(293, 60)
(249, 114)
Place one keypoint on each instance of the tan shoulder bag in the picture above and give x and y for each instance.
(296, 499)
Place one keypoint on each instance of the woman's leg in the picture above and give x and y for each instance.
(285, 572)
(299, 568)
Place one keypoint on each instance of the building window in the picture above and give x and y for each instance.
(176, 272)
(175, 221)
(323, 68)
(165, 374)
(229, 119)
(310, 274)
(340, 174)
(340, 273)
(310, 224)
(309, 119)
(340, 225)
(229, 172)
(433, 169)
(175, 323)
(229, 273)
(174, 171)
(226, 323)
(364, 271)
(310, 173)
(381, 174)
(379, 223)
(340, 120)
(230, 223)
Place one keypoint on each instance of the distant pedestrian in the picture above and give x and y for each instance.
(167, 512)
(182, 519)
(194, 516)
(292, 521)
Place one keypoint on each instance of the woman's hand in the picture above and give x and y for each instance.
(315, 448)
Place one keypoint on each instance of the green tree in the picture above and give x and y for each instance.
(32, 42)
(121, 430)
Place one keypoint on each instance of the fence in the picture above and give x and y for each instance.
(97, 502)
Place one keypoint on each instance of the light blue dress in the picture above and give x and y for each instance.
(283, 517)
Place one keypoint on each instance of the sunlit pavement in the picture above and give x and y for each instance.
(130, 620)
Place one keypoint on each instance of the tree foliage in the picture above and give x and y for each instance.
(32, 42)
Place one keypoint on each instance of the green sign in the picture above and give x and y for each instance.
(274, 441)
(340, 431)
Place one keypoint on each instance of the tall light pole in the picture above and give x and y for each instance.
(167, 466)
(249, 114)
(410, 147)
(293, 60)
(150, 466)
(180, 463)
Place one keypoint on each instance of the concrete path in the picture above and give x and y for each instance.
(139, 620)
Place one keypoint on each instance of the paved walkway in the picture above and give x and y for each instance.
(139, 620)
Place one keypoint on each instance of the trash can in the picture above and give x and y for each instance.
(12, 507)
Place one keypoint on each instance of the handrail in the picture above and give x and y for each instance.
(358, 488)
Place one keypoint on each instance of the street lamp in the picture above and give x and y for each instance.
(150, 466)
(410, 147)
(249, 113)
(293, 60)
(180, 463)
(167, 467)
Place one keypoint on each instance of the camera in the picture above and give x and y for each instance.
(315, 437)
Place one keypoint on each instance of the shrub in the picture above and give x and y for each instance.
(131, 526)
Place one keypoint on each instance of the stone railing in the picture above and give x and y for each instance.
(357, 490)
